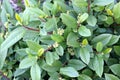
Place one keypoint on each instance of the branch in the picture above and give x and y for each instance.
(88, 6)
(1, 73)
(49, 48)
(31, 28)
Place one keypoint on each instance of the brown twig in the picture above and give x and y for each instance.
(1, 73)
(31, 28)
(49, 48)
(88, 6)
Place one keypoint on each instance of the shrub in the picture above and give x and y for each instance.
(60, 40)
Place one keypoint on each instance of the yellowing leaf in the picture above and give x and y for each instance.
(108, 50)
(26, 3)
(84, 42)
(40, 51)
(18, 18)
(109, 12)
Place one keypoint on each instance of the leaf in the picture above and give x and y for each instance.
(98, 64)
(69, 21)
(117, 50)
(49, 58)
(27, 62)
(99, 47)
(77, 64)
(35, 72)
(114, 39)
(72, 40)
(104, 38)
(83, 31)
(58, 38)
(3, 15)
(40, 52)
(84, 55)
(52, 68)
(116, 10)
(69, 71)
(54, 76)
(83, 17)
(18, 18)
(84, 77)
(8, 7)
(115, 68)
(108, 50)
(92, 20)
(19, 72)
(3, 54)
(79, 3)
(84, 42)
(103, 2)
(111, 77)
(15, 36)
(60, 50)
(51, 24)
(33, 45)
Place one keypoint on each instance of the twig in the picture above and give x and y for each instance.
(88, 6)
(31, 28)
(49, 48)
(1, 73)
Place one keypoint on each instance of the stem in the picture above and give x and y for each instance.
(49, 48)
(1, 73)
(88, 6)
(31, 28)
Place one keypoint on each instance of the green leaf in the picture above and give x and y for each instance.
(83, 31)
(77, 64)
(116, 10)
(84, 55)
(49, 58)
(69, 71)
(69, 21)
(60, 50)
(27, 62)
(8, 7)
(52, 68)
(33, 45)
(72, 40)
(14, 36)
(83, 17)
(99, 47)
(19, 72)
(51, 24)
(114, 39)
(103, 2)
(92, 20)
(104, 38)
(3, 54)
(84, 77)
(58, 38)
(1, 39)
(54, 76)
(55, 56)
(111, 77)
(35, 72)
(98, 64)
(117, 50)
(79, 3)
(115, 68)
(3, 15)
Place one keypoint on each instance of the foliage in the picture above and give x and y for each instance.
(60, 40)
